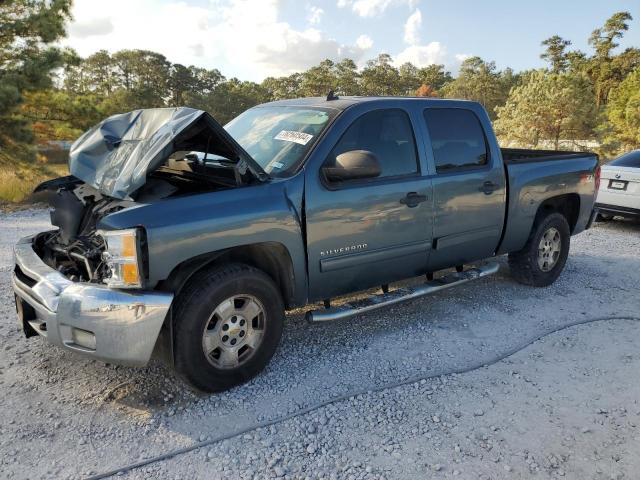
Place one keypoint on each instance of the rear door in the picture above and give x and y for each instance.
(364, 233)
(620, 182)
(469, 187)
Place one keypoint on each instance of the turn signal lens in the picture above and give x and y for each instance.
(130, 273)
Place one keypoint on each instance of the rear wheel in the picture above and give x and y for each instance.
(228, 324)
(544, 255)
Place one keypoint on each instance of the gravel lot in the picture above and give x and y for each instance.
(566, 406)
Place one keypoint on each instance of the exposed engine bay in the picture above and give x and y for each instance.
(77, 250)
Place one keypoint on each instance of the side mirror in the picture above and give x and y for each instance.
(353, 165)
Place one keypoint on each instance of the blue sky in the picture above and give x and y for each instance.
(252, 39)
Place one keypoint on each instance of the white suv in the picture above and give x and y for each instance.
(619, 192)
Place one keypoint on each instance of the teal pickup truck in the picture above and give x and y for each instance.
(178, 236)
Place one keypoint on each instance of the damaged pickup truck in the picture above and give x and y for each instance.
(180, 238)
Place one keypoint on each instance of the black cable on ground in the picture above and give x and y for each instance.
(413, 379)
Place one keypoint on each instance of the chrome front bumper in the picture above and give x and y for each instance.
(115, 326)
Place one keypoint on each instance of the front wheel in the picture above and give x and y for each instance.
(544, 255)
(228, 323)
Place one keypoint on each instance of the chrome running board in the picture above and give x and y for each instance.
(400, 295)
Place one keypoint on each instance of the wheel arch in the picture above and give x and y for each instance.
(567, 204)
(523, 218)
(272, 258)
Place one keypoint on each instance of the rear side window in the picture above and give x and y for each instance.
(631, 159)
(457, 139)
(386, 133)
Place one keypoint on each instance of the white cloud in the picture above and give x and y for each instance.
(372, 8)
(364, 42)
(250, 31)
(244, 36)
(461, 57)
(177, 30)
(91, 26)
(315, 15)
(422, 55)
(412, 28)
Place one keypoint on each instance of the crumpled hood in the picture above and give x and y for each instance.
(116, 155)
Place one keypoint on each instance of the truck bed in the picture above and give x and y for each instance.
(523, 155)
(533, 175)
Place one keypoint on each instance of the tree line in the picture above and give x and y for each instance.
(588, 98)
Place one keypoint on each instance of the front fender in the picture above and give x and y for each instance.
(181, 228)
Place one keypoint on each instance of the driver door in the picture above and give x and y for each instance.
(369, 232)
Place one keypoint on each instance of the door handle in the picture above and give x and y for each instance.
(488, 187)
(413, 199)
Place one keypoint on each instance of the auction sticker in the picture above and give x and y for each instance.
(297, 137)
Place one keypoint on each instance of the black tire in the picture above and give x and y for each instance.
(193, 313)
(524, 264)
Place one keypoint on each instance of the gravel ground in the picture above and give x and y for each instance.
(566, 406)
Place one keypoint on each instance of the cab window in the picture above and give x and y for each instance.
(388, 134)
(457, 139)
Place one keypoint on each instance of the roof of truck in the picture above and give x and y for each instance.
(341, 103)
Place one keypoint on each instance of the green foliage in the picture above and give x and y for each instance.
(590, 80)
(556, 53)
(347, 77)
(104, 84)
(623, 114)
(59, 115)
(434, 76)
(26, 60)
(229, 99)
(604, 69)
(607, 72)
(547, 106)
(481, 81)
(318, 80)
(603, 39)
(283, 87)
(378, 77)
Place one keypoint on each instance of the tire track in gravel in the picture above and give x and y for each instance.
(388, 386)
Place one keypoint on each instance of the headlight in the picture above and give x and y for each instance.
(122, 257)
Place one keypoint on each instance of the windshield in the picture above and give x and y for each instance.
(278, 138)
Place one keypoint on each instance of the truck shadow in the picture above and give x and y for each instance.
(620, 224)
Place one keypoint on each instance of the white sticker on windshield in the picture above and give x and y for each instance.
(297, 137)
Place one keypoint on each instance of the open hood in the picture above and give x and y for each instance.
(116, 155)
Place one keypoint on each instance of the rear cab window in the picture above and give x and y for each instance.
(457, 139)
